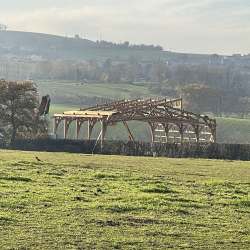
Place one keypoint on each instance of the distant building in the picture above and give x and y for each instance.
(36, 57)
(215, 60)
(142, 80)
(228, 61)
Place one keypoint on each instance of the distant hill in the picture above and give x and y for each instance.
(77, 48)
(20, 38)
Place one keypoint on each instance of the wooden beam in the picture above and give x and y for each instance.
(79, 123)
(80, 116)
(67, 122)
(152, 129)
(56, 122)
(89, 112)
(103, 129)
(91, 124)
(169, 113)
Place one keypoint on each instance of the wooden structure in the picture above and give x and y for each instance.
(166, 118)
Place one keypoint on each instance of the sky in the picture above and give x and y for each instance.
(185, 26)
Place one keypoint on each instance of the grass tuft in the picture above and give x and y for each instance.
(106, 176)
(158, 189)
(244, 203)
(15, 178)
(120, 208)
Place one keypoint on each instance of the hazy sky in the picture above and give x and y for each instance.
(198, 26)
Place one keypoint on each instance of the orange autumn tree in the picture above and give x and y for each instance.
(18, 111)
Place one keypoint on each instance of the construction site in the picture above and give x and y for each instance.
(167, 120)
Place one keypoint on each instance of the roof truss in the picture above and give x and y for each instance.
(151, 111)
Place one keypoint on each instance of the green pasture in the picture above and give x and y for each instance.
(69, 96)
(72, 92)
(233, 130)
(77, 201)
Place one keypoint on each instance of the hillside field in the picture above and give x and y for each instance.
(77, 201)
(69, 48)
(69, 96)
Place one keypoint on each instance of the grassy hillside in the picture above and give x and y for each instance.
(15, 38)
(69, 96)
(71, 92)
(233, 130)
(78, 49)
(76, 201)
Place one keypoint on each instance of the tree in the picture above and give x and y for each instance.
(18, 111)
(59, 69)
(6, 68)
(43, 69)
(105, 77)
(196, 97)
(201, 98)
(184, 75)
(126, 44)
(243, 107)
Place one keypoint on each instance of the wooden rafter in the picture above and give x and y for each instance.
(150, 111)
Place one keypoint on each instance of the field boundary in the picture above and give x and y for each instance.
(136, 148)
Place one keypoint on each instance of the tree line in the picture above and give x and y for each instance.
(126, 44)
(204, 88)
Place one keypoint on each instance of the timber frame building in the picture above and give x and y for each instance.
(167, 120)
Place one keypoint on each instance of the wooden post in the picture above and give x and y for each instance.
(103, 129)
(66, 127)
(55, 125)
(67, 122)
(196, 132)
(166, 129)
(180, 131)
(79, 123)
(152, 128)
(91, 125)
(56, 122)
(213, 132)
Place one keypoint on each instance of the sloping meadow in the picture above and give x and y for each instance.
(84, 201)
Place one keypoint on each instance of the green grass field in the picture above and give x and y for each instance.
(77, 201)
(70, 92)
(69, 96)
(233, 130)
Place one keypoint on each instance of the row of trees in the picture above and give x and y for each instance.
(131, 70)
(202, 98)
(19, 117)
(221, 90)
(221, 77)
(131, 46)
